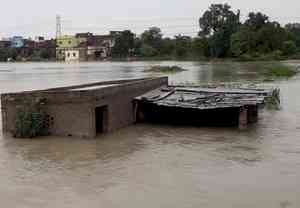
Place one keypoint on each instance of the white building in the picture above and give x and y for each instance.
(72, 55)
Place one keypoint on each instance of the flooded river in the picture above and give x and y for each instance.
(148, 166)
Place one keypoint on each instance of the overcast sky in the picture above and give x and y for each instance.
(37, 17)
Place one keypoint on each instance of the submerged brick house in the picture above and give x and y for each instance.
(83, 110)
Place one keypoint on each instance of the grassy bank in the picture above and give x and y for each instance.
(165, 69)
(276, 70)
(281, 70)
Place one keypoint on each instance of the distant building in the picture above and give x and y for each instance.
(115, 33)
(85, 46)
(27, 43)
(27, 49)
(65, 43)
(100, 46)
(96, 53)
(72, 55)
(39, 39)
(17, 42)
(4, 44)
(84, 35)
(6, 39)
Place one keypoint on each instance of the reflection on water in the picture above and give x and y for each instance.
(151, 165)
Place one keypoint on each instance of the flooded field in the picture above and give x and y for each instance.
(150, 165)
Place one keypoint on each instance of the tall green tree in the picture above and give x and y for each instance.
(152, 37)
(200, 47)
(259, 36)
(294, 29)
(124, 44)
(289, 48)
(256, 21)
(270, 37)
(167, 47)
(148, 51)
(218, 23)
(182, 46)
(243, 42)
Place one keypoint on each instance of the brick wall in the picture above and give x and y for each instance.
(72, 113)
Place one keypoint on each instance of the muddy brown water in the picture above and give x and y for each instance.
(150, 165)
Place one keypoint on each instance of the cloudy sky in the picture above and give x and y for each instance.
(37, 17)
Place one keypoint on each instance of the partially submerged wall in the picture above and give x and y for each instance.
(72, 112)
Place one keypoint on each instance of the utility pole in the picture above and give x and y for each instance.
(58, 26)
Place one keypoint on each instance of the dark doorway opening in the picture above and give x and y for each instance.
(101, 114)
(98, 55)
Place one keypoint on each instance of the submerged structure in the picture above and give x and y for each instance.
(91, 109)
(203, 106)
(81, 111)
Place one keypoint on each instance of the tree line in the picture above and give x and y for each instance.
(16, 54)
(222, 35)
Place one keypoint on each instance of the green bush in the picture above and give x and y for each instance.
(246, 57)
(280, 70)
(148, 51)
(289, 48)
(165, 69)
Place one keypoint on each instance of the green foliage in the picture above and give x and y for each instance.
(3, 55)
(270, 38)
(148, 51)
(31, 54)
(221, 35)
(8, 53)
(294, 29)
(216, 18)
(218, 24)
(165, 69)
(30, 121)
(46, 53)
(259, 39)
(152, 37)
(256, 21)
(167, 47)
(182, 46)
(200, 47)
(124, 44)
(278, 70)
(289, 48)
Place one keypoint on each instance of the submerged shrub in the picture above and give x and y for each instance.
(289, 48)
(165, 69)
(280, 70)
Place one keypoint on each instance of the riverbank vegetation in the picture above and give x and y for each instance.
(17, 54)
(279, 70)
(222, 35)
(165, 69)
